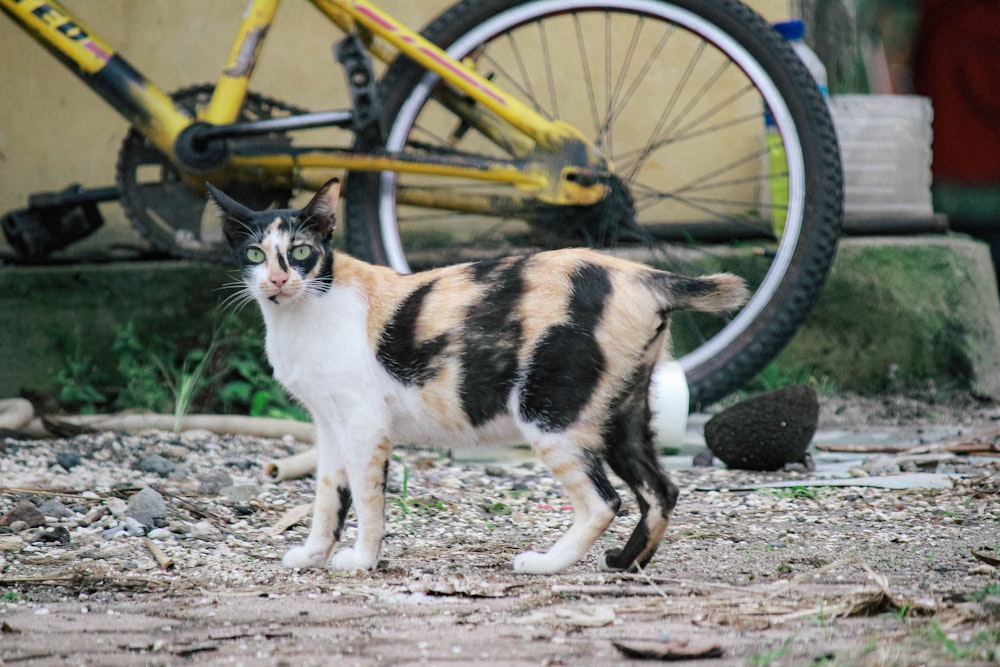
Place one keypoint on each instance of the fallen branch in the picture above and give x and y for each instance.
(162, 560)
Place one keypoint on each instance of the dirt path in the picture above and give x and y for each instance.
(797, 575)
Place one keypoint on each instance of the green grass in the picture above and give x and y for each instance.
(227, 374)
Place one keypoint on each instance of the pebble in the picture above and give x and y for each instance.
(240, 494)
(204, 530)
(156, 464)
(26, 512)
(69, 460)
(55, 509)
(212, 483)
(134, 527)
(146, 506)
(58, 534)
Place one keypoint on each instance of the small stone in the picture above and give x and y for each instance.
(156, 464)
(203, 530)
(703, 459)
(243, 493)
(18, 526)
(212, 483)
(159, 534)
(134, 527)
(146, 506)
(495, 471)
(59, 535)
(116, 506)
(23, 511)
(55, 509)
(881, 465)
(69, 460)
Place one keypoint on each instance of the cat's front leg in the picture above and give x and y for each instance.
(367, 475)
(333, 499)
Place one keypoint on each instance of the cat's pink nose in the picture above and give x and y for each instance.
(279, 280)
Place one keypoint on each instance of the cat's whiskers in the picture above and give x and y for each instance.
(238, 298)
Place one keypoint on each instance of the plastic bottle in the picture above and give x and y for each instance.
(777, 165)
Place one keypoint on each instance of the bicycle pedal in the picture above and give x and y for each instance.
(54, 220)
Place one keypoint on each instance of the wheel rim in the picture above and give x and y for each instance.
(766, 90)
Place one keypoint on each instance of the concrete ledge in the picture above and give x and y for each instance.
(898, 311)
(52, 314)
(895, 312)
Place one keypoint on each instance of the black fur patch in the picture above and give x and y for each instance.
(345, 504)
(409, 361)
(595, 471)
(567, 362)
(493, 335)
(632, 455)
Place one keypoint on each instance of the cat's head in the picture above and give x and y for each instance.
(284, 254)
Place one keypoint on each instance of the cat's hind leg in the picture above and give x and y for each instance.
(595, 504)
(367, 471)
(631, 453)
(333, 500)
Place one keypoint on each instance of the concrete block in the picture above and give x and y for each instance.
(898, 311)
(52, 314)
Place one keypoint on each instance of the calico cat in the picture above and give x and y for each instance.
(556, 349)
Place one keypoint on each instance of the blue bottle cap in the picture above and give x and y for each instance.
(791, 30)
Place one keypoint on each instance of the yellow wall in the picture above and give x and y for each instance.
(54, 131)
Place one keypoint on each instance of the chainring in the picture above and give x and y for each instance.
(175, 219)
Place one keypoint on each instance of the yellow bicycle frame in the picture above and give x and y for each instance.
(547, 155)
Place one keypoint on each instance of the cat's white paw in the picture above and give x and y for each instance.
(306, 557)
(532, 562)
(351, 559)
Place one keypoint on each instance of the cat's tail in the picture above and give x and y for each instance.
(716, 293)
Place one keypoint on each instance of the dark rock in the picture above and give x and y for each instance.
(213, 482)
(765, 432)
(59, 535)
(704, 459)
(23, 511)
(55, 509)
(157, 465)
(145, 506)
(69, 460)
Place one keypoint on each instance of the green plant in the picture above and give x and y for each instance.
(78, 381)
(793, 492)
(769, 656)
(984, 592)
(776, 375)
(404, 501)
(227, 373)
(10, 596)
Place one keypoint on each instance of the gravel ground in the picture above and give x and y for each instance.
(160, 548)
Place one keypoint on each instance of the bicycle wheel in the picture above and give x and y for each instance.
(673, 94)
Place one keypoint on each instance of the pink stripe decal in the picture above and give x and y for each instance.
(98, 51)
(462, 74)
(378, 18)
(391, 27)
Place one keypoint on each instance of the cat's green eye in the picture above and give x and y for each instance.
(255, 255)
(301, 252)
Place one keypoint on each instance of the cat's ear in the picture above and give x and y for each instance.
(321, 211)
(236, 218)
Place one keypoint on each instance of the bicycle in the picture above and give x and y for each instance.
(672, 94)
